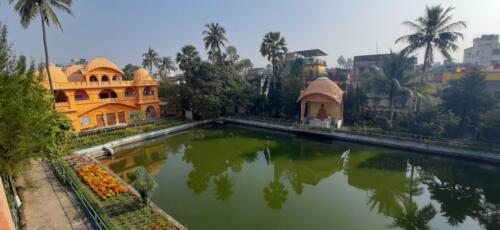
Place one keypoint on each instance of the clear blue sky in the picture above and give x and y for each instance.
(121, 30)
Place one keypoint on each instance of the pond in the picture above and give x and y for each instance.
(237, 177)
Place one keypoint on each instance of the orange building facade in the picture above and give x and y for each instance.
(96, 96)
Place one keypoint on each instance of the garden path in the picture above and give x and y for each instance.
(47, 203)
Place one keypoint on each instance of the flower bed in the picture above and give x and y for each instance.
(100, 181)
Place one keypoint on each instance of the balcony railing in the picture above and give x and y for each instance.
(107, 99)
(60, 85)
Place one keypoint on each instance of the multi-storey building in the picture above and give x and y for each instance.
(485, 51)
(363, 64)
(313, 60)
(96, 96)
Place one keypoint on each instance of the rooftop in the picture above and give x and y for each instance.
(311, 53)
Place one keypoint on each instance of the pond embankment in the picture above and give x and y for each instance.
(444, 149)
(100, 150)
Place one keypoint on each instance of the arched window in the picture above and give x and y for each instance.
(148, 91)
(130, 92)
(81, 95)
(93, 78)
(107, 93)
(150, 112)
(61, 96)
(115, 78)
(104, 78)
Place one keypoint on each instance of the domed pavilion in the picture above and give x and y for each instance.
(321, 104)
(95, 95)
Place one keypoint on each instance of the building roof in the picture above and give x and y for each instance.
(73, 69)
(372, 57)
(142, 74)
(56, 74)
(323, 86)
(311, 53)
(100, 62)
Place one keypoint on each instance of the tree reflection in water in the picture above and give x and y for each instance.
(275, 194)
(223, 187)
(392, 178)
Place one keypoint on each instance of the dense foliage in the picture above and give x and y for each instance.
(30, 129)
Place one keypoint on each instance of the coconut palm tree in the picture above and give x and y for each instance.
(187, 60)
(150, 59)
(395, 79)
(165, 65)
(29, 10)
(215, 38)
(274, 48)
(433, 30)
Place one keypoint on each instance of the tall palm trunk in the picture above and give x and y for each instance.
(51, 87)
(391, 105)
(428, 51)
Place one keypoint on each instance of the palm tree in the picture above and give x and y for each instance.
(395, 79)
(433, 30)
(165, 65)
(274, 48)
(187, 60)
(150, 59)
(215, 38)
(29, 10)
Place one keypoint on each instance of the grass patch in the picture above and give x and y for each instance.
(77, 143)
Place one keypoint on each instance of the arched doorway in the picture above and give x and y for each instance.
(104, 78)
(150, 112)
(107, 93)
(130, 92)
(148, 91)
(81, 95)
(60, 96)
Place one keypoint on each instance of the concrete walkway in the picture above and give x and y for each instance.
(47, 204)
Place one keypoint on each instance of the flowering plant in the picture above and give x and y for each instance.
(101, 182)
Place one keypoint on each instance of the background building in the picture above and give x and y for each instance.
(313, 60)
(96, 96)
(485, 51)
(363, 64)
(492, 80)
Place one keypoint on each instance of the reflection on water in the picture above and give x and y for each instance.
(243, 178)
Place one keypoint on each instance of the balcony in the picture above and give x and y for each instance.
(314, 61)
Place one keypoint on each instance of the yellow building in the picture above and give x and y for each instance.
(492, 80)
(96, 96)
(313, 60)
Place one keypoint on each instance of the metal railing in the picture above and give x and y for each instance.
(279, 121)
(477, 145)
(93, 215)
(11, 200)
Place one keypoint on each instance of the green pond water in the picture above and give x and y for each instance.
(236, 177)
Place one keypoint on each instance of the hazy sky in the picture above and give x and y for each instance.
(121, 30)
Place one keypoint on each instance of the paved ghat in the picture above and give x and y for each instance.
(47, 204)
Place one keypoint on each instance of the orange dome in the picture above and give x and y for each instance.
(100, 62)
(141, 74)
(323, 86)
(56, 74)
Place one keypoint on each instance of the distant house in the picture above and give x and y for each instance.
(363, 64)
(485, 51)
(257, 78)
(492, 79)
(313, 60)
